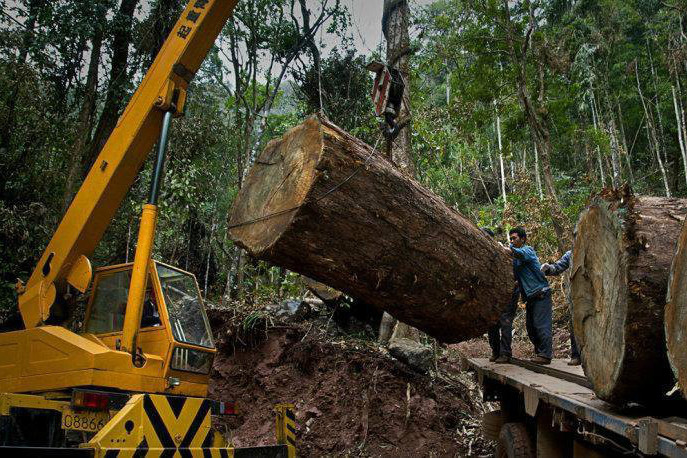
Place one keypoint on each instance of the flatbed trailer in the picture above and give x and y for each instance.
(551, 411)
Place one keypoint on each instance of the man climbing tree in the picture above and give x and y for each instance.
(395, 27)
(395, 22)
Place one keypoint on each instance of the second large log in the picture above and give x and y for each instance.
(621, 263)
(676, 313)
(322, 203)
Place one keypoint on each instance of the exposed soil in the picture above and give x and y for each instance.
(351, 398)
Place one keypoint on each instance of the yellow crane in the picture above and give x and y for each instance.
(135, 381)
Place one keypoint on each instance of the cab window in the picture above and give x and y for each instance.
(185, 307)
(109, 304)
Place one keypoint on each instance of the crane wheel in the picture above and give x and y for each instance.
(492, 422)
(514, 442)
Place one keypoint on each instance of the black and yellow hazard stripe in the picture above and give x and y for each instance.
(290, 422)
(286, 427)
(168, 426)
(174, 424)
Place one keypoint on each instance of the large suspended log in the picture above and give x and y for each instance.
(324, 204)
(676, 313)
(621, 262)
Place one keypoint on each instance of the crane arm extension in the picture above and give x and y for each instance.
(65, 260)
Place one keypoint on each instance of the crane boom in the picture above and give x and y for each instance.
(65, 260)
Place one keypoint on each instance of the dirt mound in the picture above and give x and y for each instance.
(351, 397)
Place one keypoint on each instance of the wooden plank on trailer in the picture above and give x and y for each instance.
(566, 395)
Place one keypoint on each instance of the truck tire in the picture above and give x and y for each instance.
(492, 422)
(514, 442)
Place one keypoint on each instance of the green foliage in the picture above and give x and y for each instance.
(235, 105)
(579, 55)
(345, 100)
(254, 319)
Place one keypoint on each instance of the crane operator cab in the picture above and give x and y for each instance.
(173, 323)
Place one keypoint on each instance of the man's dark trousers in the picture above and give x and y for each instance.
(539, 323)
(574, 349)
(501, 334)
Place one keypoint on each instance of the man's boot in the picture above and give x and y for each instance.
(540, 360)
(574, 361)
(503, 359)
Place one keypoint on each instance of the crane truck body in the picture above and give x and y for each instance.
(135, 380)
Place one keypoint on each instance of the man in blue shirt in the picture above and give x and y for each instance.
(537, 293)
(558, 268)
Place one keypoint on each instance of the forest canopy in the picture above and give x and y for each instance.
(520, 111)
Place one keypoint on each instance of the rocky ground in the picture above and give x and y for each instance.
(352, 397)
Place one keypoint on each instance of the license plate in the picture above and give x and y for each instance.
(84, 420)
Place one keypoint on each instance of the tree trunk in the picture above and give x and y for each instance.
(395, 26)
(613, 135)
(524, 159)
(680, 137)
(595, 121)
(659, 116)
(536, 173)
(676, 313)
(537, 123)
(322, 203)
(651, 133)
(503, 172)
(209, 256)
(231, 274)
(84, 125)
(683, 122)
(395, 23)
(622, 255)
(626, 151)
(119, 78)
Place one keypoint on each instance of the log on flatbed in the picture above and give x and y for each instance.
(322, 203)
(676, 313)
(621, 262)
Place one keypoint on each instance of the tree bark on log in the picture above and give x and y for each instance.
(621, 263)
(322, 203)
(676, 313)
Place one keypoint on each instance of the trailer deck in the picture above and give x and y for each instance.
(574, 410)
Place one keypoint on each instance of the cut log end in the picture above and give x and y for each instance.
(600, 294)
(623, 249)
(676, 313)
(279, 182)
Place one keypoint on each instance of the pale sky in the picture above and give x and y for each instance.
(367, 23)
(366, 16)
(365, 29)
